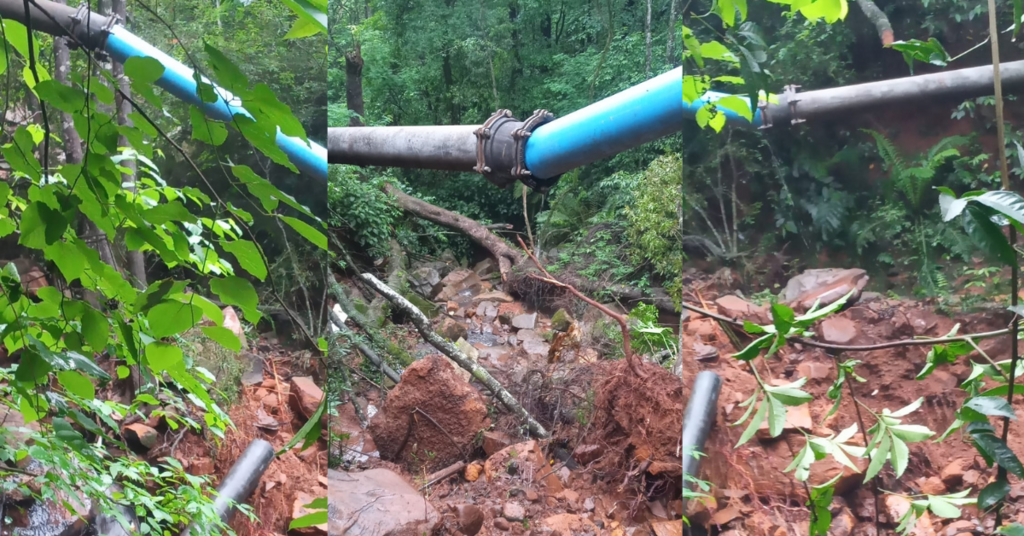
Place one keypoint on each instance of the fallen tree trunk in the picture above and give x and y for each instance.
(506, 255)
(878, 18)
(423, 326)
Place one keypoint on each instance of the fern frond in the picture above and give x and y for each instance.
(890, 155)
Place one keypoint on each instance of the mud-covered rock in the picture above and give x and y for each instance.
(377, 502)
(460, 283)
(824, 285)
(452, 329)
(561, 320)
(449, 413)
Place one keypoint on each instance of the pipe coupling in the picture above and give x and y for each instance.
(501, 149)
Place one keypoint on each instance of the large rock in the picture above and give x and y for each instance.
(449, 415)
(452, 329)
(896, 507)
(458, 284)
(307, 395)
(423, 279)
(736, 307)
(494, 296)
(377, 502)
(838, 330)
(826, 285)
(486, 267)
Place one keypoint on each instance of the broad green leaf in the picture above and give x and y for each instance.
(302, 28)
(1015, 529)
(143, 69)
(68, 360)
(693, 45)
(310, 432)
(95, 329)
(228, 75)
(223, 336)
(234, 290)
(738, 105)
(878, 458)
(309, 11)
(909, 408)
(163, 356)
(991, 406)
(205, 129)
(67, 435)
(77, 383)
(264, 106)
(992, 494)
(911, 433)
(754, 349)
(726, 9)
(987, 235)
(41, 226)
(309, 520)
(169, 211)
(776, 416)
(713, 50)
(65, 98)
(307, 231)
(899, 455)
(950, 206)
(248, 256)
(996, 448)
(783, 318)
(172, 317)
(755, 423)
(1006, 203)
(694, 87)
(32, 368)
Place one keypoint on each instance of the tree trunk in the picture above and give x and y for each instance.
(647, 35)
(354, 85)
(499, 249)
(136, 259)
(670, 45)
(878, 18)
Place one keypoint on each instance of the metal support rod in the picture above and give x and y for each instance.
(97, 32)
(242, 479)
(701, 412)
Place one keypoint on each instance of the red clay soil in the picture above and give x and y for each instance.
(287, 476)
(752, 475)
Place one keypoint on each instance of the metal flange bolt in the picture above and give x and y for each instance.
(791, 100)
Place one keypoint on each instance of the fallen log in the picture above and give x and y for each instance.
(447, 348)
(365, 350)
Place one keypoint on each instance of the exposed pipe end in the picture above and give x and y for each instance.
(242, 479)
(701, 412)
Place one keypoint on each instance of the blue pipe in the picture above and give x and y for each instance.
(638, 115)
(178, 80)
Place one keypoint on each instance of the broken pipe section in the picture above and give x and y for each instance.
(242, 480)
(700, 416)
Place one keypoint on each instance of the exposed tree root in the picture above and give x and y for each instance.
(447, 348)
(499, 249)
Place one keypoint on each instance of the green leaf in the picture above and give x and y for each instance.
(310, 432)
(776, 416)
(694, 87)
(162, 356)
(172, 317)
(143, 69)
(996, 448)
(1006, 203)
(754, 349)
(899, 455)
(77, 383)
(1015, 529)
(739, 105)
(987, 235)
(755, 423)
(167, 212)
(67, 435)
(205, 129)
(65, 98)
(68, 360)
(32, 368)
(878, 458)
(911, 433)
(314, 236)
(41, 226)
(726, 10)
(310, 12)
(234, 290)
(790, 396)
(302, 28)
(309, 520)
(95, 329)
(783, 318)
(991, 406)
(228, 75)
(949, 205)
(224, 337)
(713, 50)
(248, 256)
(992, 494)
(693, 45)
(943, 508)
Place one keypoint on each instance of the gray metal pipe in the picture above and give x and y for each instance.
(448, 148)
(701, 412)
(839, 101)
(53, 18)
(242, 479)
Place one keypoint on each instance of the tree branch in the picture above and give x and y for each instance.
(878, 18)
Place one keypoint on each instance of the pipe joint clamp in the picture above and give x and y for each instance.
(82, 33)
(791, 100)
(501, 149)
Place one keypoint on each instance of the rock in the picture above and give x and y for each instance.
(232, 323)
(377, 502)
(486, 267)
(704, 352)
(303, 499)
(896, 507)
(588, 504)
(253, 371)
(667, 528)
(532, 496)
(933, 486)
(586, 454)
(524, 335)
(494, 296)
(525, 321)
(460, 283)
(423, 279)
(140, 437)
(972, 478)
(944, 380)
(471, 518)
(537, 348)
(735, 307)
(201, 466)
(569, 525)
(842, 523)
(825, 286)
(960, 526)
(838, 330)
(434, 387)
(452, 329)
(501, 524)
(307, 394)
(486, 310)
(472, 472)
(725, 515)
(495, 441)
(813, 371)
(952, 474)
(513, 511)
(561, 320)
(569, 495)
